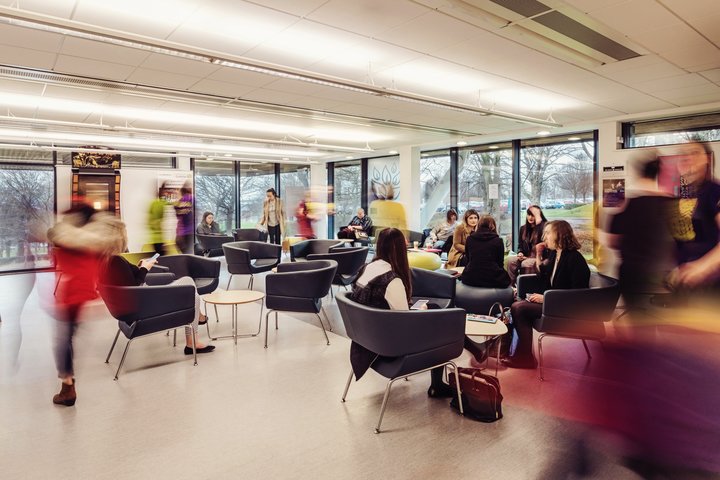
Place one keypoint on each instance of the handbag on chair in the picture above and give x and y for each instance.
(481, 397)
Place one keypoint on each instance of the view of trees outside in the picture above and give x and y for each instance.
(347, 190)
(255, 179)
(485, 184)
(28, 195)
(673, 138)
(294, 183)
(215, 192)
(434, 187)
(559, 178)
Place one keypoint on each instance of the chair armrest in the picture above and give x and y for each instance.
(201, 267)
(159, 278)
(265, 250)
(295, 267)
(299, 250)
(581, 304)
(300, 284)
(129, 304)
(528, 283)
(159, 269)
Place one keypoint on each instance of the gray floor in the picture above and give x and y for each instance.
(248, 412)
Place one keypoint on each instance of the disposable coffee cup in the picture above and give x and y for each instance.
(415, 244)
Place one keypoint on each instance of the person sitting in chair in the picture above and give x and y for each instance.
(359, 227)
(208, 226)
(441, 236)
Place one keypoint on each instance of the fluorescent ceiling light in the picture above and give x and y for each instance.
(574, 139)
(393, 152)
(114, 37)
(543, 133)
(493, 147)
(73, 139)
(461, 143)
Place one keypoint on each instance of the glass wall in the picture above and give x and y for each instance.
(28, 205)
(383, 178)
(348, 187)
(671, 131)
(485, 184)
(557, 174)
(294, 183)
(215, 191)
(255, 179)
(434, 187)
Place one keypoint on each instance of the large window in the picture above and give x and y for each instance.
(485, 184)
(557, 174)
(434, 187)
(348, 187)
(215, 191)
(255, 179)
(294, 184)
(671, 131)
(28, 197)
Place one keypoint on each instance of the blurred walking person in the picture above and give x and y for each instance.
(82, 239)
(184, 212)
(156, 216)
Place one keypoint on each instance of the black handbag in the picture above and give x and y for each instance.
(481, 397)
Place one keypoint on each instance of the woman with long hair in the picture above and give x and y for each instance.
(566, 268)
(273, 216)
(460, 235)
(530, 235)
(386, 283)
(485, 251)
(208, 225)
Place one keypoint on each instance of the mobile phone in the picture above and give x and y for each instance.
(155, 257)
(419, 304)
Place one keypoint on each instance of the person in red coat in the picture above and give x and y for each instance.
(81, 241)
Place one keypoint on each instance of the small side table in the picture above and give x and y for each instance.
(488, 331)
(235, 298)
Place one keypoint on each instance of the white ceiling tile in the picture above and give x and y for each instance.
(145, 76)
(19, 86)
(70, 93)
(92, 68)
(708, 26)
(625, 17)
(429, 33)
(181, 66)
(679, 81)
(586, 6)
(697, 100)
(127, 100)
(637, 103)
(27, 58)
(693, 9)
(296, 87)
(56, 8)
(155, 19)
(712, 75)
(78, 47)
(702, 56)
(643, 74)
(225, 89)
(301, 8)
(270, 96)
(241, 77)
(368, 17)
(30, 38)
(690, 91)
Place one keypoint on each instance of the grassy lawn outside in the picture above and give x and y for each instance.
(583, 211)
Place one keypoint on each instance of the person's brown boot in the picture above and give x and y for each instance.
(66, 396)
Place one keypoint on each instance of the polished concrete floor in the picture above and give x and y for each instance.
(249, 412)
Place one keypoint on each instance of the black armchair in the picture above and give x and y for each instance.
(211, 245)
(578, 313)
(301, 250)
(204, 272)
(249, 234)
(249, 258)
(299, 287)
(479, 300)
(349, 262)
(145, 310)
(436, 286)
(407, 342)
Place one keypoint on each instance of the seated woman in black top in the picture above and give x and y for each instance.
(120, 272)
(566, 269)
(485, 251)
(207, 225)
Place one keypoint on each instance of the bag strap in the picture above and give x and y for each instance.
(502, 310)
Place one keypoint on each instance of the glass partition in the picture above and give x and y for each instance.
(294, 183)
(434, 187)
(348, 188)
(215, 192)
(255, 179)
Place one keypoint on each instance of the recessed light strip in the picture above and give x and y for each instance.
(65, 27)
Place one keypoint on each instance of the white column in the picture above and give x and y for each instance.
(410, 184)
(318, 186)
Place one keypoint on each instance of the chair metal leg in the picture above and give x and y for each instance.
(249, 287)
(107, 360)
(332, 293)
(207, 326)
(347, 386)
(540, 355)
(323, 329)
(122, 360)
(266, 325)
(217, 317)
(174, 337)
(194, 342)
(587, 350)
(276, 321)
(384, 404)
(326, 318)
(262, 305)
(252, 281)
(457, 386)
(229, 280)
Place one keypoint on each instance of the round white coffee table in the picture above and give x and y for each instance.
(488, 331)
(235, 298)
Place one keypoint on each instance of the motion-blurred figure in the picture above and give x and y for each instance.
(156, 215)
(697, 219)
(184, 211)
(304, 220)
(82, 240)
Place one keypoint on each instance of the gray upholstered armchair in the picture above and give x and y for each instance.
(407, 342)
(249, 258)
(301, 250)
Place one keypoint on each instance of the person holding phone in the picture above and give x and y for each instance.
(530, 235)
(386, 283)
(120, 272)
(566, 269)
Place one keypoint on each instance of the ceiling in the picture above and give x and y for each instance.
(452, 61)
